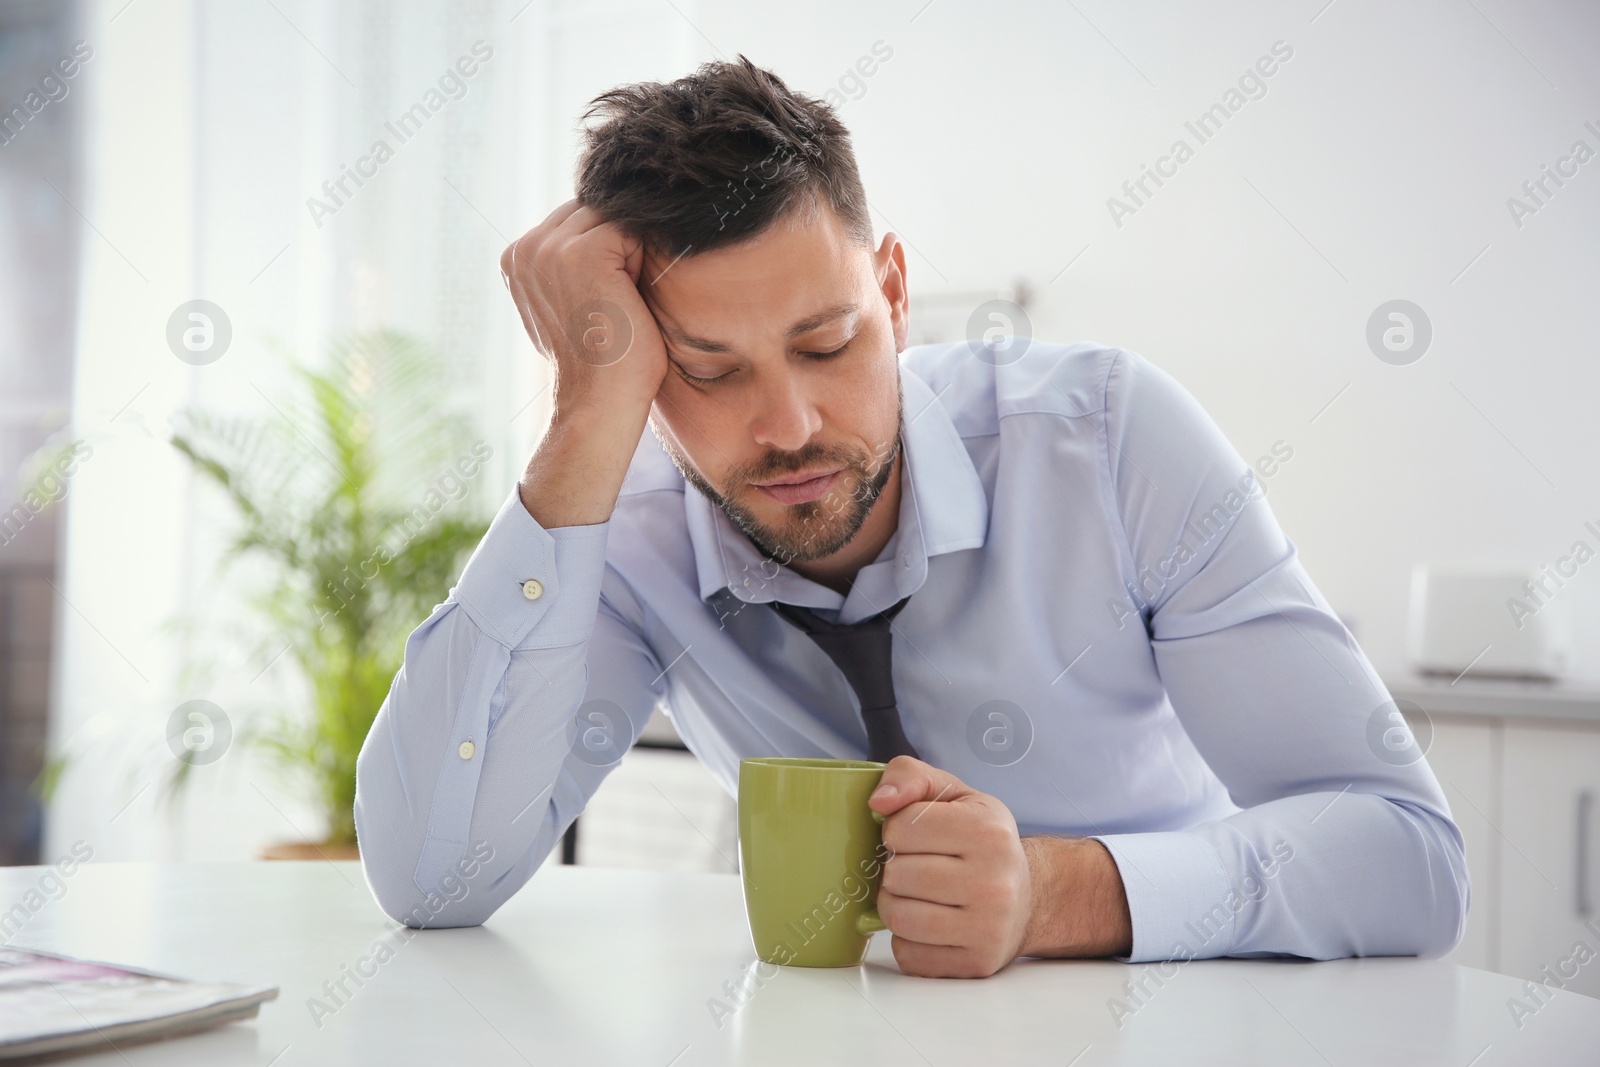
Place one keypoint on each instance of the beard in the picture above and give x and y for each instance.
(815, 529)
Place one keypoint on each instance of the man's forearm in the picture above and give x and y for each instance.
(1079, 908)
(576, 473)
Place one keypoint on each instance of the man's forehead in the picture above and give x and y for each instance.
(798, 276)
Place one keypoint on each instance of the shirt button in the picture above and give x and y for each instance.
(533, 589)
(467, 749)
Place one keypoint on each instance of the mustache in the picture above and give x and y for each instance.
(777, 464)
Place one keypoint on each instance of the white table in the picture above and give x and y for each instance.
(598, 966)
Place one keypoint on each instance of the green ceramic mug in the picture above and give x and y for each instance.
(812, 854)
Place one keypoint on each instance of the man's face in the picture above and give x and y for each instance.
(761, 319)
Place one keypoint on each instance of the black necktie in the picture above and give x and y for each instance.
(862, 651)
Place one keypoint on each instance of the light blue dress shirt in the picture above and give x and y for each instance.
(1107, 630)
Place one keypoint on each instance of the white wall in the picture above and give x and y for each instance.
(1377, 166)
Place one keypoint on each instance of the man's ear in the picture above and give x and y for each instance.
(890, 267)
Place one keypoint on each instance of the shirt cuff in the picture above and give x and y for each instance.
(528, 587)
(1180, 897)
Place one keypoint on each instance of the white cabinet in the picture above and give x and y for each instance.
(1550, 903)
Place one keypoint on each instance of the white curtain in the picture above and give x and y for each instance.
(212, 129)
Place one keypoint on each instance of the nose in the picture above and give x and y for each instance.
(785, 417)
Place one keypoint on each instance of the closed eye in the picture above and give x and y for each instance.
(694, 379)
(827, 355)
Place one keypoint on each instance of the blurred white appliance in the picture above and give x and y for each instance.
(1509, 622)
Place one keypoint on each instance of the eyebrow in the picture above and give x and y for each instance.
(804, 326)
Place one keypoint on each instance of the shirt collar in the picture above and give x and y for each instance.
(943, 508)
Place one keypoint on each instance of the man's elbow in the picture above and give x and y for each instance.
(456, 902)
(434, 911)
(1445, 885)
(389, 858)
(1453, 903)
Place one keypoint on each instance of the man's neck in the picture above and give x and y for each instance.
(839, 570)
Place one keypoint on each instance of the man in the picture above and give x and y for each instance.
(1122, 721)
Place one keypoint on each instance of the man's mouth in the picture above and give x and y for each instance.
(799, 488)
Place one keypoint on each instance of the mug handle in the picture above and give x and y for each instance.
(868, 922)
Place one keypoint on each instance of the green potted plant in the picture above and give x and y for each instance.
(359, 494)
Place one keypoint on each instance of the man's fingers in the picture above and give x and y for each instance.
(922, 921)
(519, 252)
(907, 780)
(923, 876)
(937, 961)
(559, 217)
(580, 220)
(519, 261)
(946, 828)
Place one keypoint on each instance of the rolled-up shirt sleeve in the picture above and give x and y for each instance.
(475, 764)
(1345, 845)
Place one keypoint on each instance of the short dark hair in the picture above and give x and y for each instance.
(715, 158)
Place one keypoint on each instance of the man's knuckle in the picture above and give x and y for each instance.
(959, 965)
(983, 837)
(990, 893)
(894, 879)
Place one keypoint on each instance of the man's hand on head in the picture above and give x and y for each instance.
(575, 279)
(964, 894)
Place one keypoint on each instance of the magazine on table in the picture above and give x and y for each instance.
(53, 1003)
